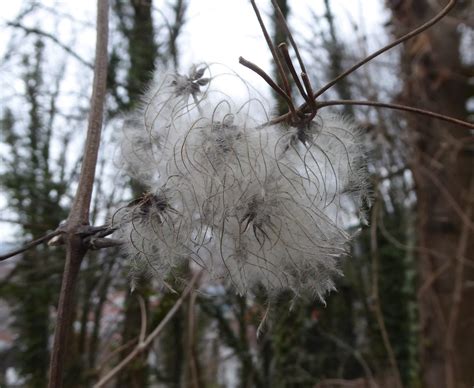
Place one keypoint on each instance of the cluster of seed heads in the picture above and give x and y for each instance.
(255, 205)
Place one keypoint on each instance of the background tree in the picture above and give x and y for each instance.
(35, 182)
(435, 75)
(367, 334)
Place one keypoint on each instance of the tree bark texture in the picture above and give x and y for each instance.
(442, 161)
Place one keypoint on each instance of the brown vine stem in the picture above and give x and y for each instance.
(405, 108)
(283, 47)
(79, 215)
(270, 45)
(388, 47)
(376, 104)
(269, 81)
(367, 59)
(282, 22)
(146, 342)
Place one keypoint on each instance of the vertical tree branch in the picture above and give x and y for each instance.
(79, 214)
(80, 208)
(457, 295)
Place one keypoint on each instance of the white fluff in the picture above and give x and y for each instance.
(252, 206)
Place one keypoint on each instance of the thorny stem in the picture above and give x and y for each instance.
(79, 215)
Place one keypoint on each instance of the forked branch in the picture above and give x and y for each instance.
(388, 47)
(308, 110)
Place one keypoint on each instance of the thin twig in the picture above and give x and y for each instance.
(269, 81)
(309, 89)
(271, 46)
(282, 21)
(30, 245)
(141, 346)
(26, 225)
(376, 104)
(377, 309)
(356, 354)
(395, 43)
(51, 37)
(461, 213)
(283, 47)
(143, 316)
(457, 293)
(115, 352)
(193, 364)
(405, 108)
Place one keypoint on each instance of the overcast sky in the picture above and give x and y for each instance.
(216, 31)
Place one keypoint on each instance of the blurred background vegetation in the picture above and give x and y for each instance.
(403, 313)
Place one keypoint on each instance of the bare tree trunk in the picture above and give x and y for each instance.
(442, 164)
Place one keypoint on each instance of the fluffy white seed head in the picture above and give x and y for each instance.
(255, 206)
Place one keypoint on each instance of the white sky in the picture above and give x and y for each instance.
(216, 31)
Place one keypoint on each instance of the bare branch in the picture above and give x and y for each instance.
(282, 21)
(268, 80)
(377, 104)
(101, 243)
(37, 31)
(405, 108)
(388, 47)
(270, 45)
(286, 56)
(30, 245)
(142, 345)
